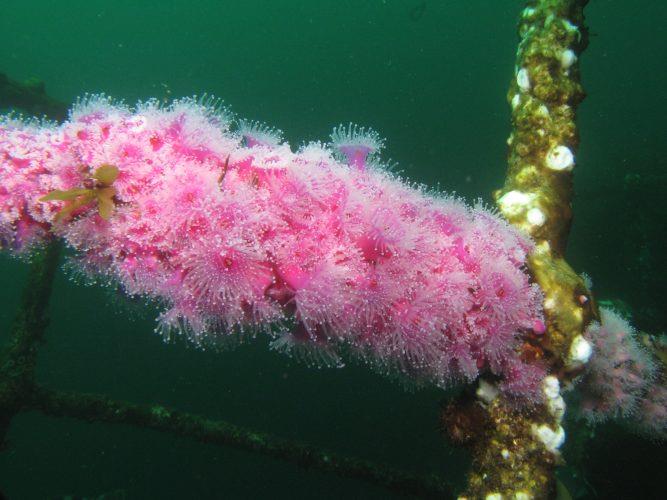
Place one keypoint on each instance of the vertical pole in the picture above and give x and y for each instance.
(17, 363)
(517, 454)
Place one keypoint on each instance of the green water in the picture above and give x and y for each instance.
(431, 76)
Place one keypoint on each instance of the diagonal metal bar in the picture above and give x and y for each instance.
(94, 408)
(30, 96)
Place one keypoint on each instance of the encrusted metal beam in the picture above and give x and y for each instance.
(517, 454)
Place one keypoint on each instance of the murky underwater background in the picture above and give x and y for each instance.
(431, 76)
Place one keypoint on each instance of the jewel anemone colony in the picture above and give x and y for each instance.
(232, 231)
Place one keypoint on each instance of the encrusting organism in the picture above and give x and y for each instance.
(622, 379)
(238, 235)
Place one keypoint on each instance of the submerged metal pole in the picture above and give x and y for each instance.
(537, 195)
(517, 454)
(17, 363)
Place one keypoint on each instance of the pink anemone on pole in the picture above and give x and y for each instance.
(257, 134)
(232, 230)
(357, 145)
(622, 380)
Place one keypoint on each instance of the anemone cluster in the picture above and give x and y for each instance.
(232, 231)
(622, 380)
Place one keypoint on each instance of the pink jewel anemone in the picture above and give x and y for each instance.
(234, 231)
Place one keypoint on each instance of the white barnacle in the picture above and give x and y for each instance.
(523, 79)
(567, 58)
(514, 202)
(580, 351)
(551, 387)
(536, 217)
(552, 440)
(560, 158)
